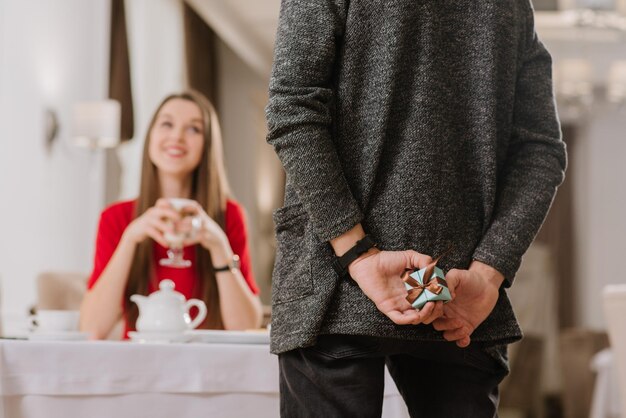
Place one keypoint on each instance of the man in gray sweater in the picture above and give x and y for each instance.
(421, 124)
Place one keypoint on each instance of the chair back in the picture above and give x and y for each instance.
(615, 314)
(64, 290)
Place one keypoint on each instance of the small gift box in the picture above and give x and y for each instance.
(425, 285)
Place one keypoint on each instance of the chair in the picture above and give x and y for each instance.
(605, 403)
(60, 290)
(521, 389)
(577, 348)
(64, 290)
(615, 312)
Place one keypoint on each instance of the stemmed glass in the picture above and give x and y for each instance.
(175, 240)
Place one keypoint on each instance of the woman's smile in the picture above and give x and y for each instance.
(175, 151)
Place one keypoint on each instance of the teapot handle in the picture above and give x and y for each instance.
(202, 311)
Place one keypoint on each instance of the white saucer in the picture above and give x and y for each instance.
(158, 337)
(228, 337)
(40, 335)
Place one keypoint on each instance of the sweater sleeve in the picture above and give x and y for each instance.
(535, 165)
(299, 113)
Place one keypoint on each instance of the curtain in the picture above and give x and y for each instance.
(119, 69)
(201, 55)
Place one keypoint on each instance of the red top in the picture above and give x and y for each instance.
(115, 219)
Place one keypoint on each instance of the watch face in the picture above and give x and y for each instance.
(236, 261)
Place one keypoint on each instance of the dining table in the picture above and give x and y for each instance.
(98, 379)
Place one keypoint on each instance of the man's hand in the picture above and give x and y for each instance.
(378, 274)
(475, 295)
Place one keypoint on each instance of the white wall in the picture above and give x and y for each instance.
(156, 48)
(50, 59)
(53, 53)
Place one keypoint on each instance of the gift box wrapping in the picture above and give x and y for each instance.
(421, 291)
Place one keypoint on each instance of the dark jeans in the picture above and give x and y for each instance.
(343, 376)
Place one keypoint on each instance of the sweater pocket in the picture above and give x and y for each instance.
(292, 277)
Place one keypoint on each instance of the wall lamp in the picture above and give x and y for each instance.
(96, 124)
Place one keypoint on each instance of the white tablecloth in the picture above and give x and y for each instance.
(122, 379)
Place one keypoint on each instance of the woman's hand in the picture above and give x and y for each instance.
(153, 223)
(203, 230)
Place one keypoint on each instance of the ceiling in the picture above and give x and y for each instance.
(246, 26)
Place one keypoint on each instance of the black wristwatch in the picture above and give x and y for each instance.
(234, 264)
(340, 264)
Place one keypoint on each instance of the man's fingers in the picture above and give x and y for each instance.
(417, 260)
(403, 318)
(454, 278)
(425, 313)
(463, 342)
(447, 324)
(457, 334)
(437, 312)
(405, 314)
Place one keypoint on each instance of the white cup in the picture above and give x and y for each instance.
(55, 321)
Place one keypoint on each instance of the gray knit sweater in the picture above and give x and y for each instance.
(431, 122)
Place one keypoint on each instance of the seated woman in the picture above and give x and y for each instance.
(182, 158)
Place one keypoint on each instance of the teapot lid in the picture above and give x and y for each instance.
(166, 291)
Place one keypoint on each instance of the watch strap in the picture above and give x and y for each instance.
(341, 263)
(234, 264)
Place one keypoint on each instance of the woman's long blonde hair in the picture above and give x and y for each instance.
(209, 187)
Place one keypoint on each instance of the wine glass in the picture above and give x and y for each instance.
(175, 239)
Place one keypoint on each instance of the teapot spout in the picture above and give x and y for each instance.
(138, 299)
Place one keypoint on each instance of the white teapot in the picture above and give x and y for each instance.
(166, 310)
